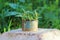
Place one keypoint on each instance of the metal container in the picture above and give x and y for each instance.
(30, 25)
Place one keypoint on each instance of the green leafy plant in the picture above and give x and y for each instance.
(29, 15)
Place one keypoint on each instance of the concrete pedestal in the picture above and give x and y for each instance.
(41, 34)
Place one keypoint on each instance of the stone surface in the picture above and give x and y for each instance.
(41, 34)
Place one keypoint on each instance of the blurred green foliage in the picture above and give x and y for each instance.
(49, 11)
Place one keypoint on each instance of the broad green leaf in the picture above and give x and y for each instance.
(19, 15)
(13, 5)
(22, 1)
(11, 13)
